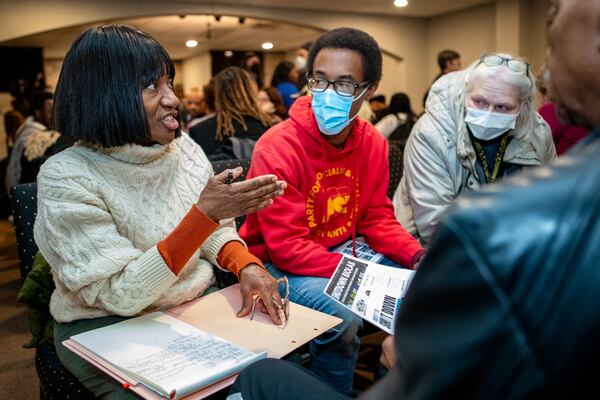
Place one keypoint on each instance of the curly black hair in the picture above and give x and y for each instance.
(352, 39)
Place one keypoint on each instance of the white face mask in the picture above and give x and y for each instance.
(488, 125)
(300, 63)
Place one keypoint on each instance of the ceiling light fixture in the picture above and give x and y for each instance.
(191, 43)
(400, 3)
(267, 45)
(228, 53)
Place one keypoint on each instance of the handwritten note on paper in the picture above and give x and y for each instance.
(166, 354)
(188, 351)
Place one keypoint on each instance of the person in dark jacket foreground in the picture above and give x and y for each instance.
(504, 304)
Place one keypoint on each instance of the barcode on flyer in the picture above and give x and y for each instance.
(361, 307)
(389, 305)
(386, 315)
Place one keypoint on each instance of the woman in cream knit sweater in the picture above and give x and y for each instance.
(130, 218)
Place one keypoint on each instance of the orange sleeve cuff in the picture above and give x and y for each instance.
(234, 257)
(177, 248)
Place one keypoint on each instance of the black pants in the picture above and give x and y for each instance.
(276, 379)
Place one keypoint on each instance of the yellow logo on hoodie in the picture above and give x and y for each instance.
(334, 202)
(337, 202)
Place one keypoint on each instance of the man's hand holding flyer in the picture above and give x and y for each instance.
(371, 290)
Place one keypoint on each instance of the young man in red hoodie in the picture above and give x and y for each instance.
(336, 168)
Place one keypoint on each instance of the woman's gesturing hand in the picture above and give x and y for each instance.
(220, 199)
(256, 281)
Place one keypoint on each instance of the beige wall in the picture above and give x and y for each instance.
(517, 27)
(51, 72)
(195, 71)
(470, 32)
(538, 39)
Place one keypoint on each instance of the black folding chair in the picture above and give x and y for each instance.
(395, 158)
(55, 381)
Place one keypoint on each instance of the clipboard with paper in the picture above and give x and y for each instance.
(214, 316)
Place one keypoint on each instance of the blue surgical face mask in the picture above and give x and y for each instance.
(332, 111)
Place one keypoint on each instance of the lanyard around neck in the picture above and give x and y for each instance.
(497, 160)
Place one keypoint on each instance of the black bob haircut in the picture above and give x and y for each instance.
(98, 97)
(351, 39)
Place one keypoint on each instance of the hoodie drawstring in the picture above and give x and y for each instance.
(355, 205)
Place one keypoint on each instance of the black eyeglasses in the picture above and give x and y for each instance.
(513, 64)
(343, 88)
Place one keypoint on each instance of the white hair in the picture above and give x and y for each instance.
(524, 82)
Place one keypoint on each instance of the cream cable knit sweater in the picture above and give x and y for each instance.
(101, 213)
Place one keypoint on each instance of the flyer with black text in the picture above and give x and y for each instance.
(370, 290)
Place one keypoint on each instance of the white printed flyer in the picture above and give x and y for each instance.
(370, 290)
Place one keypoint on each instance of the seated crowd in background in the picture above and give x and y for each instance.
(285, 80)
(196, 108)
(239, 120)
(271, 103)
(378, 106)
(33, 142)
(396, 121)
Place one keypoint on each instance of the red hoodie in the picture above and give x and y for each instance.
(331, 195)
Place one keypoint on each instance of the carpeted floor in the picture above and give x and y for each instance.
(18, 379)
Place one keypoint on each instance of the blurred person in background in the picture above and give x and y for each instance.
(285, 80)
(398, 119)
(300, 64)
(448, 61)
(277, 101)
(479, 125)
(238, 121)
(251, 63)
(182, 110)
(32, 138)
(564, 136)
(267, 106)
(13, 119)
(378, 106)
(196, 108)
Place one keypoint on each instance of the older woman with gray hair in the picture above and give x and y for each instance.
(479, 125)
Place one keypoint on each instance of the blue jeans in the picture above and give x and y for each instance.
(334, 353)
